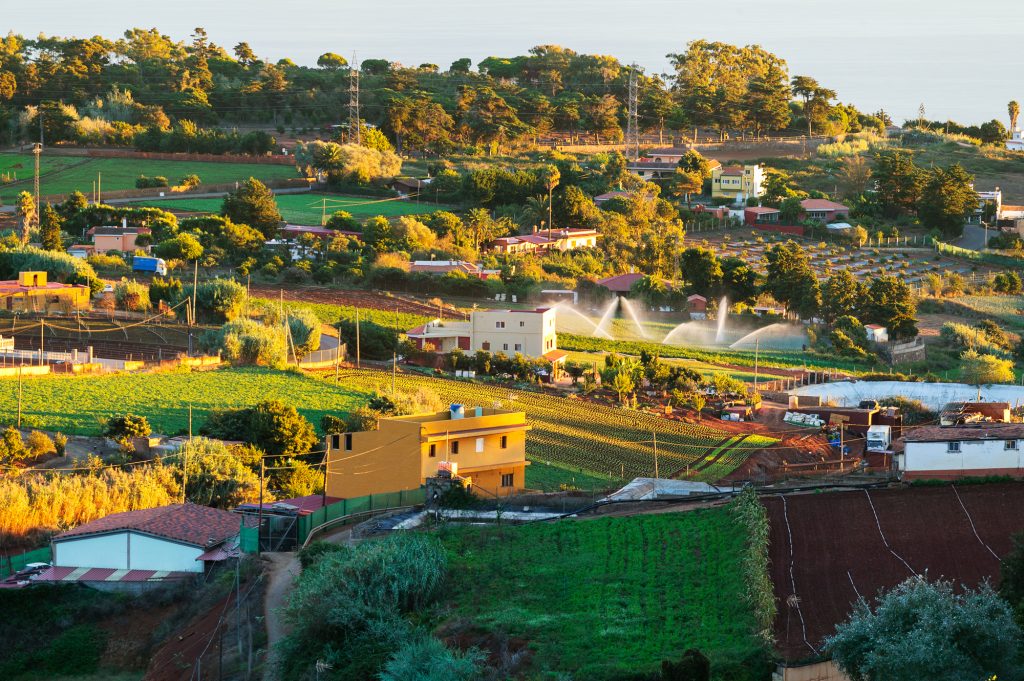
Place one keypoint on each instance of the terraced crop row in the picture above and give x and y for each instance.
(585, 436)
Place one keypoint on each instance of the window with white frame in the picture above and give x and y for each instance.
(519, 347)
(499, 325)
(953, 447)
(1011, 444)
(479, 445)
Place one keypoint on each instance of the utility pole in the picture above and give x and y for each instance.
(41, 342)
(354, 125)
(655, 434)
(394, 371)
(195, 289)
(259, 524)
(184, 473)
(357, 337)
(323, 211)
(633, 119)
(190, 422)
(337, 356)
(99, 187)
(19, 393)
(757, 348)
(37, 150)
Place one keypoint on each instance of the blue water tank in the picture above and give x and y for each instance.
(457, 411)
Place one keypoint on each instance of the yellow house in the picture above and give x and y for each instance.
(738, 183)
(487, 447)
(31, 292)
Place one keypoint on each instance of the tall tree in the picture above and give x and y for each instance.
(841, 295)
(1013, 108)
(790, 279)
(26, 207)
(947, 199)
(253, 204)
(769, 101)
(898, 181)
(701, 270)
(890, 303)
(50, 223)
(805, 87)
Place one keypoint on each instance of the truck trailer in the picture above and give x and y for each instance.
(146, 264)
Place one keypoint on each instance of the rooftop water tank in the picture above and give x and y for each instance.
(457, 411)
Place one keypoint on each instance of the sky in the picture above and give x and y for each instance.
(962, 60)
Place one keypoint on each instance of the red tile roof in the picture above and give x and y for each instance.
(981, 431)
(761, 210)
(620, 283)
(188, 523)
(822, 204)
(732, 170)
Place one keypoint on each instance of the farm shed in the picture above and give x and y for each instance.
(167, 542)
(950, 452)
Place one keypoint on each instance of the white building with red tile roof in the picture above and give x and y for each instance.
(530, 333)
(166, 542)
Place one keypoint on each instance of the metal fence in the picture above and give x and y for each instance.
(349, 507)
(11, 564)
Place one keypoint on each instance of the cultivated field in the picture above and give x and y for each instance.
(851, 544)
(308, 208)
(81, 404)
(910, 263)
(65, 174)
(606, 598)
(591, 438)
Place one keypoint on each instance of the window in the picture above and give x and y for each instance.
(336, 441)
(479, 444)
(508, 479)
(455, 446)
(522, 324)
(505, 346)
(348, 442)
(486, 345)
(1011, 444)
(519, 347)
(504, 441)
(952, 447)
(499, 325)
(433, 449)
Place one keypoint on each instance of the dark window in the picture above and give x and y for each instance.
(504, 441)
(1011, 444)
(348, 442)
(952, 447)
(508, 480)
(433, 450)
(486, 345)
(455, 447)
(336, 441)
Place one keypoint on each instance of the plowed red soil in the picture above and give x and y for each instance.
(839, 553)
(364, 299)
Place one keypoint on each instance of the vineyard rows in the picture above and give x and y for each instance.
(590, 437)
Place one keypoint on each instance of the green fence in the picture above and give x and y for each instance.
(249, 539)
(347, 507)
(980, 256)
(11, 564)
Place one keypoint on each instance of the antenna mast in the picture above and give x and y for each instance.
(632, 125)
(354, 124)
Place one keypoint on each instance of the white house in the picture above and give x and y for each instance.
(144, 546)
(876, 333)
(528, 332)
(1016, 141)
(941, 452)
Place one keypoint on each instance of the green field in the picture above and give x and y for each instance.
(308, 208)
(81, 404)
(65, 174)
(602, 441)
(606, 598)
(330, 314)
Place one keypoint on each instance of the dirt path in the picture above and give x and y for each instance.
(282, 569)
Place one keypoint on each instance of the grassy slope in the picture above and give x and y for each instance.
(603, 597)
(330, 314)
(80, 405)
(121, 173)
(307, 209)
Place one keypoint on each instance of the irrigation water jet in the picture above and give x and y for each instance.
(723, 312)
(630, 309)
(606, 318)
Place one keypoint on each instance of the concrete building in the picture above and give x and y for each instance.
(486, 447)
(737, 183)
(121, 238)
(1016, 141)
(529, 332)
(144, 546)
(661, 164)
(31, 292)
(824, 210)
(543, 242)
(951, 452)
(876, 333)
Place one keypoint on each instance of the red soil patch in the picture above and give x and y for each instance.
(838, 551)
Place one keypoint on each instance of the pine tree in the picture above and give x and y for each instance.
(254, 205)
(50, 223)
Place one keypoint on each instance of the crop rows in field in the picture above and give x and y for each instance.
(585, 436)
(611, 596)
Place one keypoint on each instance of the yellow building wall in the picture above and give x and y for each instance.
(48, 300)
(397, 455)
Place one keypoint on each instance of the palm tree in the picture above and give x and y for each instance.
(1014, 109)
(536, 210)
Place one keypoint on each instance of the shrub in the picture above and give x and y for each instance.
(190, 181)
(276, 427)
(143, 182)
(122, 428)
(39, 443)
(132, 296)
(60, 443)
(247, 341)
(12, 447)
